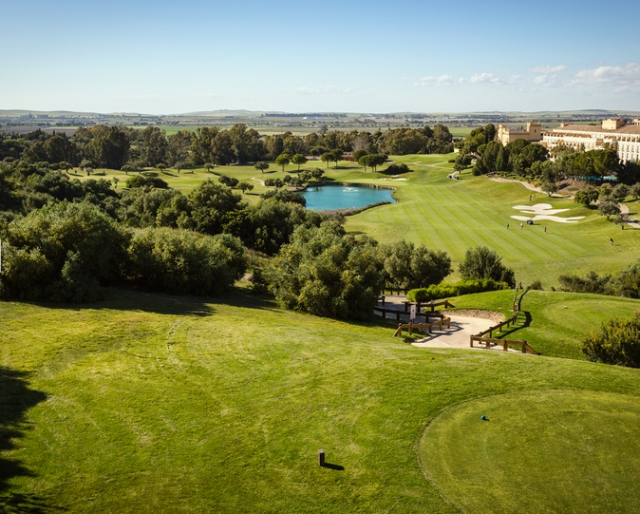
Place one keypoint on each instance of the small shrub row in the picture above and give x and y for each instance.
(436, 292)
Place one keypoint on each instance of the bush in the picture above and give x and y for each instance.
(617, 342)
(396, 169)
(436, 292)
(146, 181)
(179, 262)
(63, 252)
(326, 273)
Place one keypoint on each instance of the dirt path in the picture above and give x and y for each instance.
(258, 180)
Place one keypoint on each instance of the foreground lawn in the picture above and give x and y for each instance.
(148, 403)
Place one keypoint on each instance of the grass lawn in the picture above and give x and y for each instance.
(454, 215)
(541, 451)
(151, 403)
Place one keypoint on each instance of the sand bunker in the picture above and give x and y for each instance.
(543, 211)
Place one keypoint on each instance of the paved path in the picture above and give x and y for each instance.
(624, 209)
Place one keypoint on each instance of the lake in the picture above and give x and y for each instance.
(329, 198)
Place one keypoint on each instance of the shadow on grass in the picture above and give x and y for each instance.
(161, 303)
(335, 467)
(17, 398)
(518, 325)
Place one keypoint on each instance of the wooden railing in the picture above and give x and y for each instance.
(488, 341)
(419, 326)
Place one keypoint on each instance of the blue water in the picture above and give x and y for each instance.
(328, 198)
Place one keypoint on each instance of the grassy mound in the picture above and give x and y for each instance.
(546, 451)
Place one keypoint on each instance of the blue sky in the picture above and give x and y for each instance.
(356, 56)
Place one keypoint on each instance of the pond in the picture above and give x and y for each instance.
(329, 198)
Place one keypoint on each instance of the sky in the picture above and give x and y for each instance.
(162, 57)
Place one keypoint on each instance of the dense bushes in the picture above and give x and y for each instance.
(438, 291)
(63, 252)
(626, 284)
(324, 272)
(327, 273)
(146, 181)
(396, 169)
(617, 342)
(68, 252)
(176, 261)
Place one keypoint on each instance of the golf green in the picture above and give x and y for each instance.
(544, 451)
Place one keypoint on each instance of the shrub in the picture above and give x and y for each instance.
(396, 169)
(436, 292)
(326, 273)
(617, 342)
(146, 181)
(179, 262)
(63, 252)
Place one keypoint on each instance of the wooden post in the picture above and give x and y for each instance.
(471, 341)
(491, 332)
(410, 327)
(487, 347)
(524, 347)
(506, 346)
(384, 314)
(397, 315)
(448, 322)
(320, 458)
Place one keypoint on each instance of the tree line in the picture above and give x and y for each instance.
(131, 149)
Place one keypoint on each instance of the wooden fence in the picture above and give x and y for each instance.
(419, 326)
(395, 313)
(488, 341)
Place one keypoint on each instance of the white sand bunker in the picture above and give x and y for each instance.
(543, 211)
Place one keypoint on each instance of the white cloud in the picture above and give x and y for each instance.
(323, 90)
(621, 78)
(546, 70)
(442, 80)
(490, 78)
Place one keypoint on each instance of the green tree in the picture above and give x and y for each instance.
(620, 193)
(326, 273)
(586, 196)
(482, 262)
(336, 155)
(548, 186)
(262, 166)
(245, 186)
(608, 208)
(408, 266)
(299, 159)
(282, 160)
(228, 181)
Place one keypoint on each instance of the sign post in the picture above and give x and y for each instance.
(412, 316)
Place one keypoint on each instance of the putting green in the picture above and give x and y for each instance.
(544, 451)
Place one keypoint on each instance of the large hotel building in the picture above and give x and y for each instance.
(622, 137)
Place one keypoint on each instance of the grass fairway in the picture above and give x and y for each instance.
(454, 215)
(150, 403)
(545, 451)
